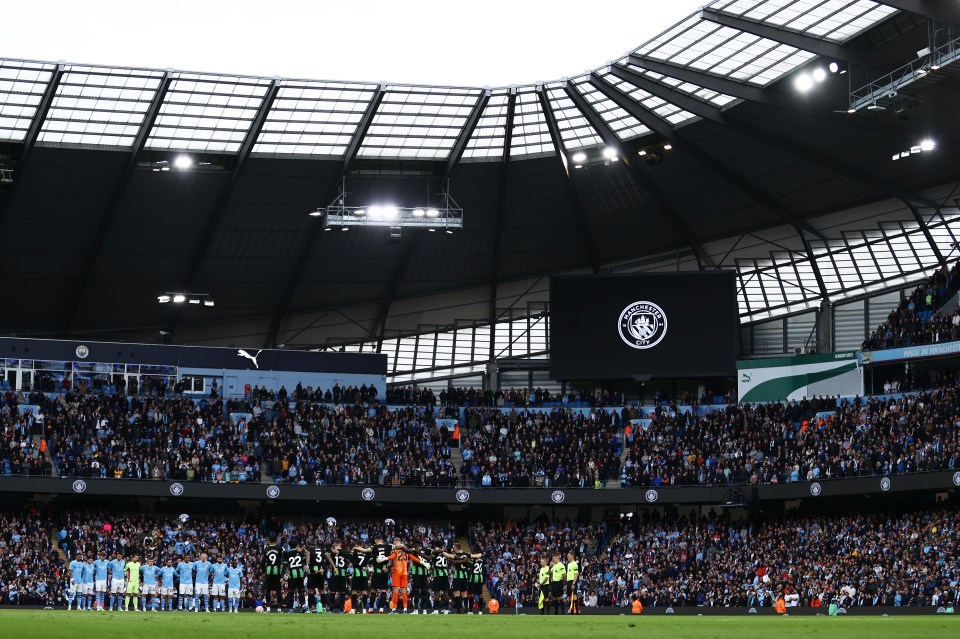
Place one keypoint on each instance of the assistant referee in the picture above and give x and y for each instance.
(543, 582)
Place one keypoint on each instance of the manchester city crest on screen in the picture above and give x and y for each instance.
(643, 325)
(657, 324)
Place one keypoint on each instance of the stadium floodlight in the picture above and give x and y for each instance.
(445, 214)
(642, 152)
(667, 146)
(927, 145)
(834, 67)
(579, 157)
(183, 162)
(609, 153)
(186, 298)
(316, 213)
(819, 75)
(803, 82)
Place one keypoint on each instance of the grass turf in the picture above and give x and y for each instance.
(31, 624)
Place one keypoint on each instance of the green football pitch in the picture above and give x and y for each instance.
(41, 624)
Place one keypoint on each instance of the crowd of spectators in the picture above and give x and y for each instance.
(917, 319)
(525, 448)
(309, 442)
(503, 398)
(31, 569)
(910, 559)
(797, 441)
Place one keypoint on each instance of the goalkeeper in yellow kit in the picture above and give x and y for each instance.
(132, 569)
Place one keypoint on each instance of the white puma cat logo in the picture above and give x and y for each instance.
(252, 358)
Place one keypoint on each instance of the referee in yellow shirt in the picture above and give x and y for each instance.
(573, 574)
(558, 572)
(543, 581)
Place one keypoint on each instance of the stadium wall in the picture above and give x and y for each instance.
(731, 495)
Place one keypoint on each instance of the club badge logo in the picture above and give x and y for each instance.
(176, 489)
(273, 492)
(652, 495)
(815, 489)
(463, 496)
(885, 484)
(79, 486)
(82, 352)
(956, 478)
(557, 497)
(642, 325)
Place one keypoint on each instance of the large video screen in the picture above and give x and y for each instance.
(626, 326)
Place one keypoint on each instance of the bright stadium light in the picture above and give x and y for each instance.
(819, 75)
(927, 145)
(803, 82)
(579, 157)
(609, 153)
(163, 299)
(432, 213)
(376, 212)
(179, 298)
(834, 67)
(667, 146)
(417, 213)
(444, 214)
(390, 212)
(183, 162)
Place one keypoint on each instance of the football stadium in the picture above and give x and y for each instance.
(666, 347)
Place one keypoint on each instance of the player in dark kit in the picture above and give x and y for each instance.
(296, 562)
(379, 574)
(272, 572)
(360, 588)
(337, 585)
(420, 581)
(317, 564)
(459, 560)
(441, 580)
(475, 577)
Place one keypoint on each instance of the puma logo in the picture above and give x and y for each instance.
(252, 358)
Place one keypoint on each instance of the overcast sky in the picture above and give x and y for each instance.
(449, 42)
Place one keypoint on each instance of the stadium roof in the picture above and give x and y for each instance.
(93, 228)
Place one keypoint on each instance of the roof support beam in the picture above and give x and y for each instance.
(926, 233)
(649, 119)
(498, 222)
(466, 133)
(213, 221)
(293, 280)
(792, 38)
(763, 137)
(380, 324)
(927, 9)
(114, 204)
(740, 90)
(31, 136)
(568, 181)
(665, 208)
(664, 92)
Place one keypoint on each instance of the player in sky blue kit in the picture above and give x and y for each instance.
(100, 568)
(219, 588)
(117, 566)
(76, 582)
(88, 584)
(148, 572)
(234, 577)
(185, 574)
(202, 587)
(167, 590)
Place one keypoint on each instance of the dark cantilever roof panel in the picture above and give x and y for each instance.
(738, 165)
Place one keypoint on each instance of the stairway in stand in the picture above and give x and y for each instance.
(47, 455)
